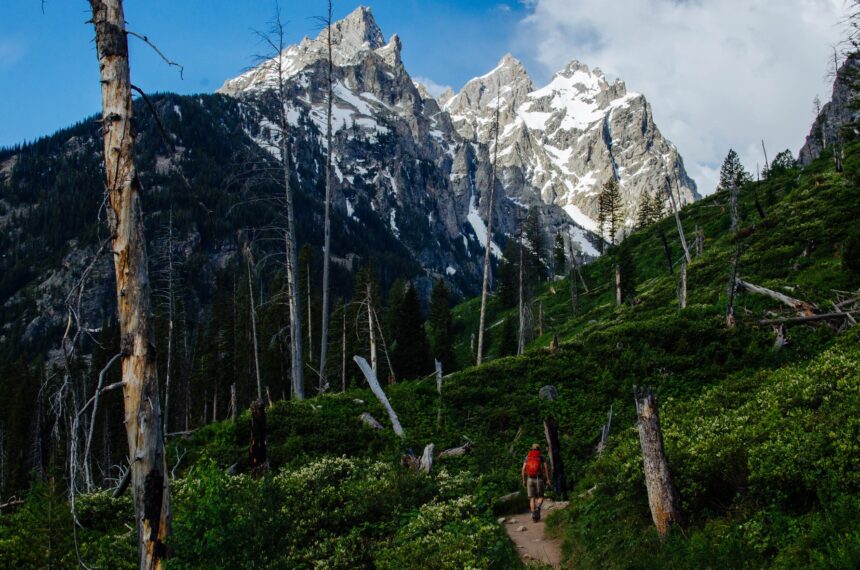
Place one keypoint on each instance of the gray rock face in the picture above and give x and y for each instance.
(560, 143)
(836, 113)
(396, 153)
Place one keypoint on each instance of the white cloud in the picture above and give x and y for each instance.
(11, 51)
(718, 73)
(433, 88)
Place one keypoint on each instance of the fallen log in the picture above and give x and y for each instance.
(456, 451)
(807, 319)
(805, 308)
(379, 393)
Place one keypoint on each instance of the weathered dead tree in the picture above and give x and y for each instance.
(457, 451)
(427, 459)
(804, 308)
(678, 221)
(809, 319)
(670, 264)
(323, 382)
(257, 450)
(571, 275)
(781, 333)
(540, 318)
(604, 433)
(521, 312)
(233, 403)
(618, 296)
(143, 420)
(663, 498)
(553, 345)
(556, 464)
(682, 287)
(249, 257)
(489, 242)
(700, 241)
(379, 393)
(733, 269)
(438, 392)
(370, 421)
(371, 329)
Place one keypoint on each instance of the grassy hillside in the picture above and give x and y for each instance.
(762, 442)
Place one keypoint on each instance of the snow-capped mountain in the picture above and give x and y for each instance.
(561, 142)
(395, 151)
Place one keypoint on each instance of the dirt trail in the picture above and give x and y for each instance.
(529, 537)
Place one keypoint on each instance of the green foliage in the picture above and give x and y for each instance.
(441, 327)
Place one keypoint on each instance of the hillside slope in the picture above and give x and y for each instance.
(762, 441)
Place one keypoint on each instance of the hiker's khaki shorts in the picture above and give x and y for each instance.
(535, 488)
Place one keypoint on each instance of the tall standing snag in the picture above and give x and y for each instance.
(559, 479)
(370, 375)
(488, 245)
(324, 384)
(143, 421)
(662, 496)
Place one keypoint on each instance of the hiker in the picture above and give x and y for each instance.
(535, 474)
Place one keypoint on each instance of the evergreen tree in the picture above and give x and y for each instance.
(508, 340)
(628, 273)
(410, 355)
(535, 255)
(733, 170)
(610, 209)
(440, 325)
(781, 163)
(508, 276)
(558, 254)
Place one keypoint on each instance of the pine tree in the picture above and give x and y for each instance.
(440, 325)
(507, 279)
(410, 355)
(610, 209)
(644, 215)
(535, 260)
(558, 254)
(733, 170)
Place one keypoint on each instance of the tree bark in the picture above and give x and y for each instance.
(678, 222)
(143, 420)
(254, 323)
(604, 433)
(521, 337)
(700, 241)
(618, 285)
(343, 350)
(488, 245)
(378, 392)
(553, 443)
(233, 403)
(371, 330)
(327, 230)
(370, 421)
(439, 392)
(804, 308)
(663, 498)
(682, 287)
(670, 265)
(257, 449)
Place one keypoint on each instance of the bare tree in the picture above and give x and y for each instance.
(521, 337)
(674, 206)
(143, 419)
(489, 241)
(328, 197)
(249, 258)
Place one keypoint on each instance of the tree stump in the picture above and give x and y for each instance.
(663, 498)
(556, 465)
(549, 393)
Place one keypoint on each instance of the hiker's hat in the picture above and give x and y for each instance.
(535, 446)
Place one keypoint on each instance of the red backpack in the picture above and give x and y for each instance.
(533, 462)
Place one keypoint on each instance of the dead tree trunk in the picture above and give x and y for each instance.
(663, 498)
(540, 318)
(233, 403)
(604, 433)
(310, 318)
(682, 287)
(700, 241)
(571, 270)
(327, 229)
(294, 302)
(253, 307)
(371, 330)
(618, 285)
(143, 419)
(670, 266)
(257, 449)
(343, 349)
(733, 272)
(678, 221)
(521, 337)
(553, 443)
(439, 392)
(802, 307)
(170, 319)
(488, 246)
(379, 393)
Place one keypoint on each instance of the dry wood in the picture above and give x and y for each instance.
(809, 319)
(682, 287)
(143, 420)
(604, 433)
(457, 451)
(379, 393)
(426, 464)
(370, 421)
(323, 383)
(805, 309)
(678, 222)
(488, 245)
(663, 498)
(617, 284)
(556, 465)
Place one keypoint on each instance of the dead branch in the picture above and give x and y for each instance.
(805, 308)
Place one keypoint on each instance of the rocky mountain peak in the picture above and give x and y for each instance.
(357, 32)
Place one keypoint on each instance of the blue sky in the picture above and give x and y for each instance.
(49, 72)
(719, 74)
